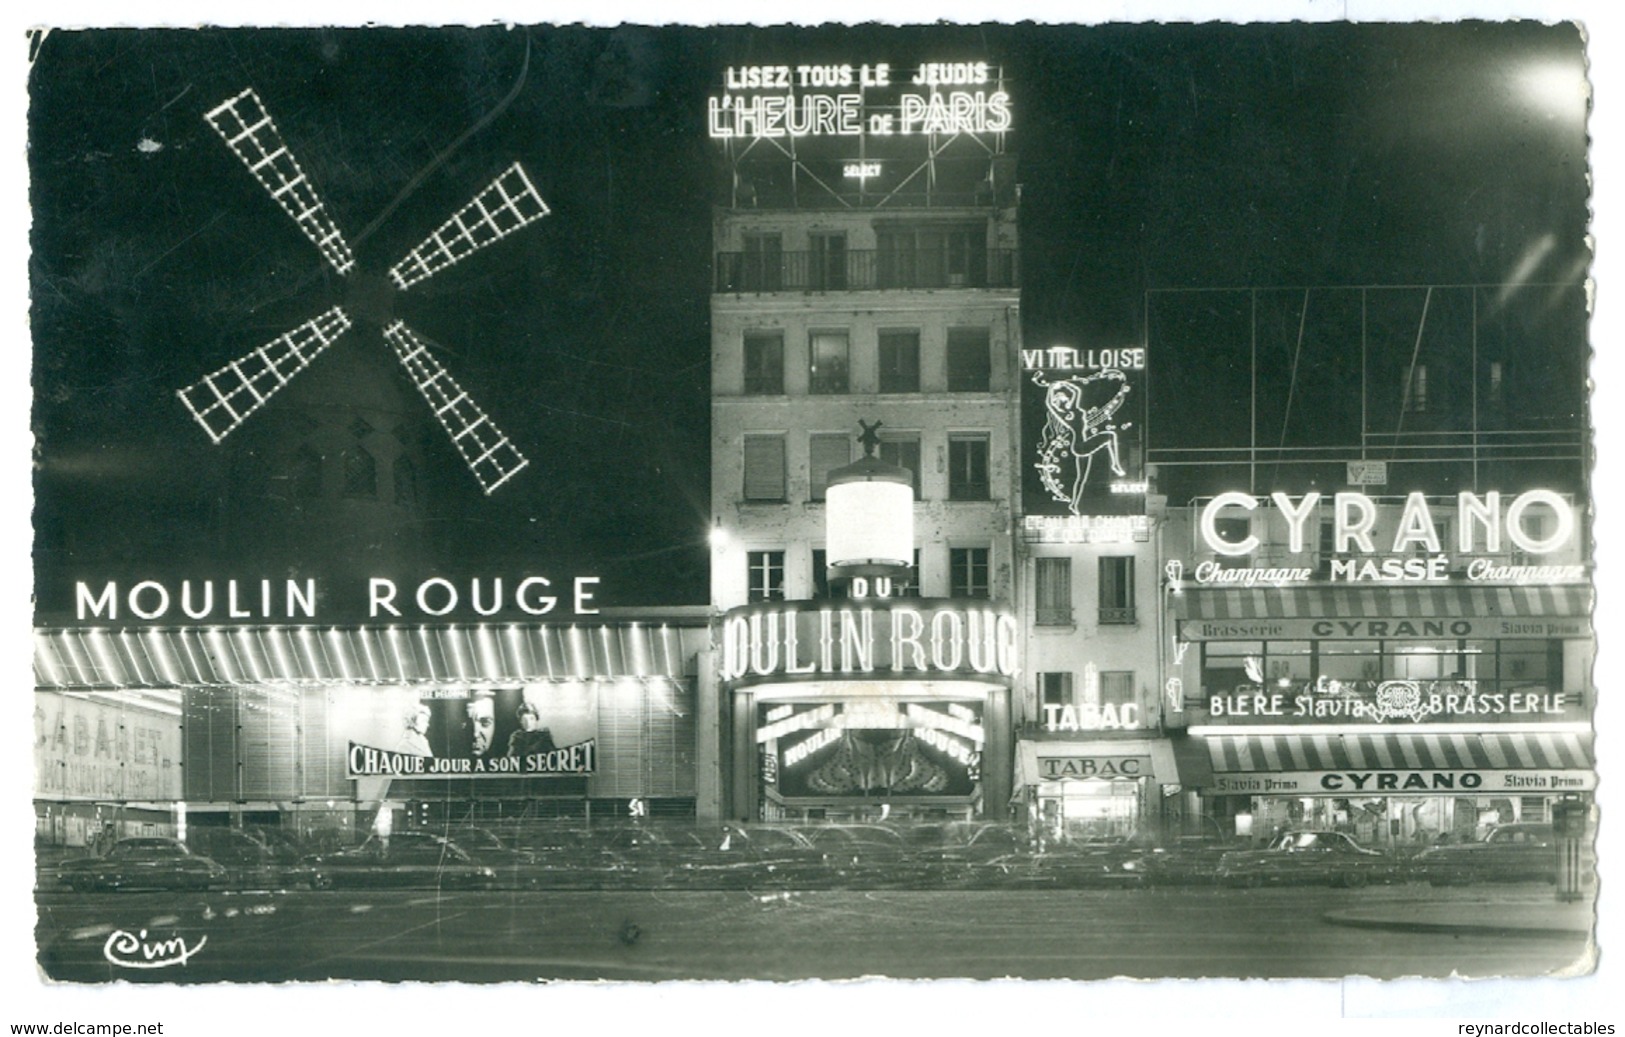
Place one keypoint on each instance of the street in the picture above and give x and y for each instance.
(778, 935)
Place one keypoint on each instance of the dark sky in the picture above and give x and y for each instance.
(1150, 157)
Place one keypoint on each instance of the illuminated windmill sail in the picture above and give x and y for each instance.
(224, 399)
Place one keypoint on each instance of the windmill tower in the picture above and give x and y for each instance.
(346, 464)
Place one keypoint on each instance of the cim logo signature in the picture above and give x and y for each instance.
(130, 950)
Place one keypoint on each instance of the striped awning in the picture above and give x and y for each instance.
(1387, 602)
(103, 659)
(1514, 750)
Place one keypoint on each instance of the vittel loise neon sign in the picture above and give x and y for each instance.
(1483, 526)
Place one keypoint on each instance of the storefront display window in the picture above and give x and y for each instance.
(1089, 810)
(1467, 666)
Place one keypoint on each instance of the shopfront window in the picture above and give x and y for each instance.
(1231, 665)
(1526, 664)
(1479, 679)
(1089, 810)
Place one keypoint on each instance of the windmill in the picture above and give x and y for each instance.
(224, 399)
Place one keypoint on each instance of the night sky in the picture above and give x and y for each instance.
(1149, 157)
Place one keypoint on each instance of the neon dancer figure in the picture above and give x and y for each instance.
(1075, 430)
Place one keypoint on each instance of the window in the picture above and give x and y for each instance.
(360, 473)
(932, 256)
(967, 466)
(306, 477)
(828, 258)
(899, 361)
(1416, 390)
(764, 263)
(969, 360)
(1053, 577)
(1116, 689)
(1117, 590)
(405, 479)
(826, 452)
(828, 354)
(764, 363)
(1055, 689)
(766, 569)
(903, 450)
(820, 573)
(968, 572)
(764, 468)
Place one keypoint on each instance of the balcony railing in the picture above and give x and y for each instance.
(862, 271)
(1117, 616)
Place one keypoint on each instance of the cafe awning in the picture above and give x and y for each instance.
(1513, 750)
(104, 659)
(1386, 602)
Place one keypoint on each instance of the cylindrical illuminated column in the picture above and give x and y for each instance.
(870, 515)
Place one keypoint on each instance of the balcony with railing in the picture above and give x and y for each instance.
(853, 270)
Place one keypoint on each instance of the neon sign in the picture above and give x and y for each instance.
(1354, 516)
(844, 100)
(1482, 524)
(919, 639)
(226, 600)
(1085, 529)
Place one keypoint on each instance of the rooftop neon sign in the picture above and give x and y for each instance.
(844, 100)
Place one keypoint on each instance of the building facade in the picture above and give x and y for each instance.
(882, 289)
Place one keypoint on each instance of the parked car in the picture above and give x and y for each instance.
(145, 862)
(249, 859)
(1303, 858)
(407, 859)
(515, 866)
(1518, 852)
(1190, 860)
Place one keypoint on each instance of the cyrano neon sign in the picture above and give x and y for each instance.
(1354, 516)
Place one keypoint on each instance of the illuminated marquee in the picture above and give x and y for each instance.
(916, 639)
(1085, 529)
(844, 100)
(871, 746)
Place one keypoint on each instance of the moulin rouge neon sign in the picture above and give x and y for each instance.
(845, 100)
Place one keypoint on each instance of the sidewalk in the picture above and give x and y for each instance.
(1521, 914)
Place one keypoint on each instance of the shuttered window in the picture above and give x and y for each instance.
(1053, 577)
(764, 468)
(826, 452)
(903, 450)
(969, 360)
(764, 363)
(899, 361)
(1117, 590)
(967, 466)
